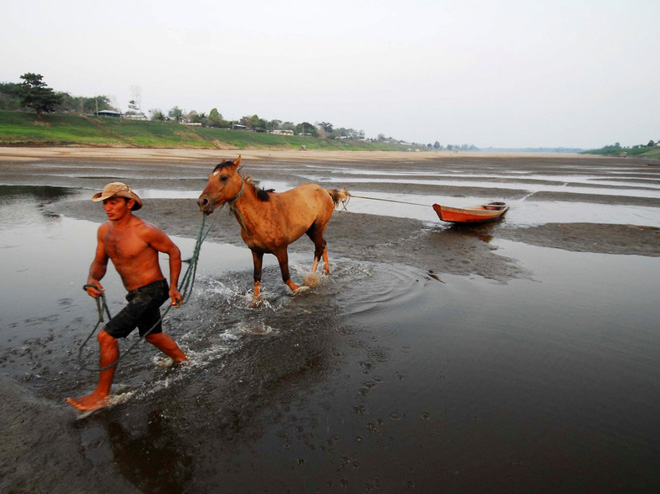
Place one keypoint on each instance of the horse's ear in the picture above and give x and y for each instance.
(237, 161)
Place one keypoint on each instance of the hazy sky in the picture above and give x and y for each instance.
(528, 73)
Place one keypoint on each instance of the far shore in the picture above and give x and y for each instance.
(141, 154)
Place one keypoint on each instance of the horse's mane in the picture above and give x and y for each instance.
(262, 194)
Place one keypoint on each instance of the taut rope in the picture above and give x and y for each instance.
(185, 288)
(386, 200)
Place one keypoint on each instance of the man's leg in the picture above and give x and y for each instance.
(109, 350)
(167, 345)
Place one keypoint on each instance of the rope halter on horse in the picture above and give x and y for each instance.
(233, 201)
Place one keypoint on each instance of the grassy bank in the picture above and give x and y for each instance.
(637, 152)
(26, 129)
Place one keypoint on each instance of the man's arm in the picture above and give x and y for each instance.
(99, 266)
(159, 240)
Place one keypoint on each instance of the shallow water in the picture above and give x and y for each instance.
(381, 378)
(525, 211)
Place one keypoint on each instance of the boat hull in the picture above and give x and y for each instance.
(476, 214)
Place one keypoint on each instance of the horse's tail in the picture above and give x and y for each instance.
(339, 196)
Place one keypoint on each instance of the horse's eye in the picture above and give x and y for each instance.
(223, 178)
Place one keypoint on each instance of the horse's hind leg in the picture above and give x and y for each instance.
(320, 248)
(318, 253)
(326, 261)
(257, 261)
(283, 260)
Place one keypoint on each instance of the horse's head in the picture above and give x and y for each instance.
(224, 185)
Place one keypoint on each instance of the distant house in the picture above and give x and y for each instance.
(282, 132)
(238, 126)
(108, 113)
(135, 116)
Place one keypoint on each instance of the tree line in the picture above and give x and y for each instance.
(33, 94)
(616, 146)
(254, 123)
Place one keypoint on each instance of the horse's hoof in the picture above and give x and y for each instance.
(300, 289)
(312, 279)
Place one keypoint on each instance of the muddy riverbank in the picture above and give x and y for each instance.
(516, 356)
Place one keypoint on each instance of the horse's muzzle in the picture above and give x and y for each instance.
(205, 206)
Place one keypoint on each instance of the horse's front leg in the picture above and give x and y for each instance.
(283, 259)
(257, 261)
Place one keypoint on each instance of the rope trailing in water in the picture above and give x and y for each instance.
(185, 288)
(387, 200)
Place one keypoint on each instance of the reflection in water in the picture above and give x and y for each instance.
(38, 294)
(151, 461)
(31, 192)
(474, 229)
(23, 204)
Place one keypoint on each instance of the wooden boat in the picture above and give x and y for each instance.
(475, 214)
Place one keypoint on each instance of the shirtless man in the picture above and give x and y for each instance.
(133, 246)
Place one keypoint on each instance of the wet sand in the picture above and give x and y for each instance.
(346, 232)
(337, 401)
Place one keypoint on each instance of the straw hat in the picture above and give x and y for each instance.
(118, 189)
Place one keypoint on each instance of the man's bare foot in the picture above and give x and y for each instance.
(90, 402)
(180, 364)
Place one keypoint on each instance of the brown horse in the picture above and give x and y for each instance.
(270, 221)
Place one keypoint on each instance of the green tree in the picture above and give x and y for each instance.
(215, 118)
(69, 104)
(176, 113)
(82, 104)
(195, 117)
(344, 133)
(307, 128)
(9, 103)
(157, 115)
(10, 97)
(97, 103)
(36, 96)
(273, 125)
(256, 123)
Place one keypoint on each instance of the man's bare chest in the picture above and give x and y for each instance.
(124, 245)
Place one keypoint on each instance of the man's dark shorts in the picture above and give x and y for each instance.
(142, 311)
